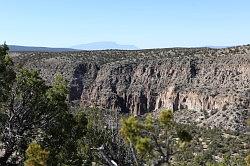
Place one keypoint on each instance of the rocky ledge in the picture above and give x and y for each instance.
(209, 87)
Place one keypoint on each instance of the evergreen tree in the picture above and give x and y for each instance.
(152, 140)
(32, 110)
(36, 155)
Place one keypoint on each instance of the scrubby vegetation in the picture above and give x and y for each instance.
(38, 128)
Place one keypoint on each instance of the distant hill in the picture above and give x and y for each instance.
(16, 48)
(104, 46)
(217, 47)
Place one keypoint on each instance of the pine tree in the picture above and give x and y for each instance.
(36, 155)
(153, 140)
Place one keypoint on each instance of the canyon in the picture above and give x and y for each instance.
(205, 86)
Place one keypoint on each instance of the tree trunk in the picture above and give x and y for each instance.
(134, 154)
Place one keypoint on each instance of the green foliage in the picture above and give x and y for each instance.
(184, 136)
(35, 111)
(62, 132)
(247, 160)
(59, 90)
(81, 124)
(149, 122)
(213, 147)
(227, 161)
(7, 74)
(36, 155)
(154, 139)
(29, 79)
(3, 120)
(24, 112)
(166, 117)
(102, 140)
(30, 87)
(143, 145)
(130, 129)
(248, 121)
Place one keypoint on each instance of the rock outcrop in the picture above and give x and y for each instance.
(210, 87)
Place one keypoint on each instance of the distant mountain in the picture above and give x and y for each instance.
(217, 47)
(16, 48)
(104, 46)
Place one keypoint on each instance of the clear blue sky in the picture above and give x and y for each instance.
(144, 23)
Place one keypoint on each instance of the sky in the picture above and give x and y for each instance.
(144, 23)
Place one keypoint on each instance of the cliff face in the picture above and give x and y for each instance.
(206, 86)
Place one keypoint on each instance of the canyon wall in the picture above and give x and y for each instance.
(210, 87)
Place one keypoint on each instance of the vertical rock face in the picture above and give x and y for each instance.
(206, 86)
(82, 77)
(179, 84)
